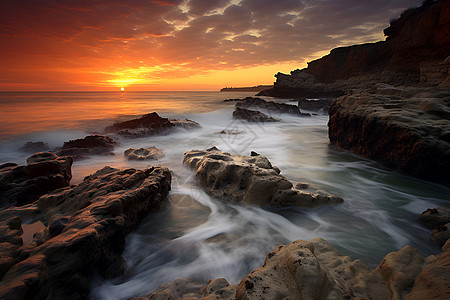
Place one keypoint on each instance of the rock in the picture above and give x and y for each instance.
(434, 280)
(45, 172)
(315, 105)
(92, 144)
(147, 125)
(437, 219)
(186, 124)
(252, 116)
(410, 133)
(10, 241)
(270, 106)
(33, 147)
(248, 179)
(178, 289)
(86, 235)
(144, 153)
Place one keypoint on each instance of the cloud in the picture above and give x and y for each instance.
(196, 36)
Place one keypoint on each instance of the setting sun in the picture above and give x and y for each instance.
(122, 89)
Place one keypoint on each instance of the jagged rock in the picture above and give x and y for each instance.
(437, 219)
(143, 153)
(409, 131)
(44, 172)
(252, 115)
(10, 241)
(186, 124)
(92, 144)
(248, 179)
(33, 147)
(148, 125)
(269, 106)
(86, 235)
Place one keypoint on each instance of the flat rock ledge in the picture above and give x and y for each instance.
(249, 180)
(143, 153)
(316, 270)
(85, 232)
(404, 128)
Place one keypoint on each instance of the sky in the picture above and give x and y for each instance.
(51, 45)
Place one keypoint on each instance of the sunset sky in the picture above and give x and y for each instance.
(175, 45)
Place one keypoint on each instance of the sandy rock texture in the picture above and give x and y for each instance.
(249, 179)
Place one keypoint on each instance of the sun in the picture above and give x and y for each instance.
(122, 89)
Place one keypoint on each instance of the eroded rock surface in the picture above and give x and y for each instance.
(437, 219)
(316, 270)
(43, 173)
(85, 235)
(248, 179)
(144, 153)
(407, 129)
(270, 106)
(90, 145)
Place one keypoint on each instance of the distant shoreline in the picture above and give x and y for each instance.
(247, 89)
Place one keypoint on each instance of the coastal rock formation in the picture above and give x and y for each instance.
(252, 115)
(316, 270)
(44, 172)
(148, 125)
(92, 144)
(437, 219)
(315, 104)
(248, 179)
(10, 241)
(407, 129)
(143, 153)
(85, 235)
(270, 106)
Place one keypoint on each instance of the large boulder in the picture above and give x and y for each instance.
(407, 129)
(85, 235)
(90, 145)
(143, 153)
(248, 179)
(437, 219)
(270, 106)
(33, 147)
(45, 172)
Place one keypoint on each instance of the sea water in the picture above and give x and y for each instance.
(199, 237)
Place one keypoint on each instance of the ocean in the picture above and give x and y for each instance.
(199, 237)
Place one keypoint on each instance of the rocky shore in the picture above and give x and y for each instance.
(394, 95)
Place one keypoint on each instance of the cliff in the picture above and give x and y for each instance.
(415, 52)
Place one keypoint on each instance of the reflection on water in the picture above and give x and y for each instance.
(199, 237)
(29, 230)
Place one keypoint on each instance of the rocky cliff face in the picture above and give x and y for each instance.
(416, 51)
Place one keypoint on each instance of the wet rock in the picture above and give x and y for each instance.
(410, 133)
(144, 153)
(10, 241)
(252, 115)
(248, 179)
(178, 289)
(88, 226)
(44, 172)
(270, 106)
(186, 124)
(33, 147)
(90, 145)
(437, 219)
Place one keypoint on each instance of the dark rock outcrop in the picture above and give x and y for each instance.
(270, 106)
(315, 104)
(248, 179)
(252, 116)
(316, 270)
(90, 145)
(45, 172)
(148, 125)
(143, 153)
(86, 233)
(405, 129)
(437, 219)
